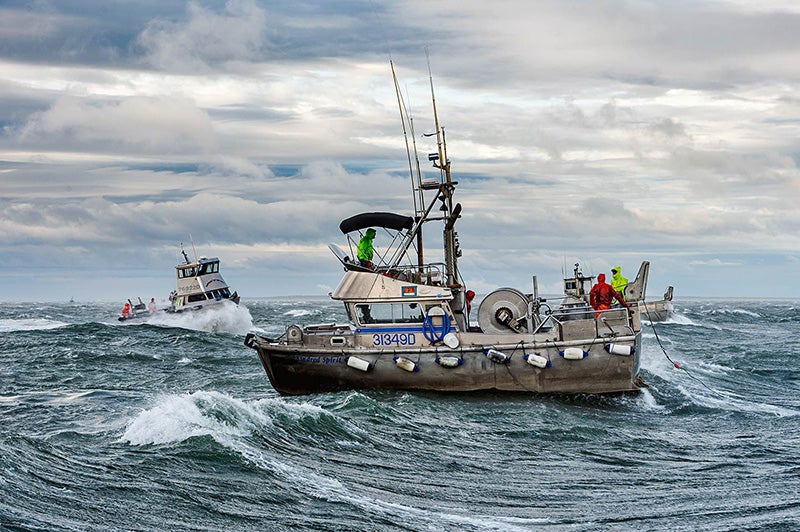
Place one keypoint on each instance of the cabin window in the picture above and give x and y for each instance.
(387, 313)
(209, 267)
(186, 272)
(194, 298)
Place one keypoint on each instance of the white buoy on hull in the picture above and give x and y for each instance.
(449, 361)
(573, 353)
(536, 360)
(359, 363)
(496, 356)
(619, 349)
(406, 364)
(450, 340)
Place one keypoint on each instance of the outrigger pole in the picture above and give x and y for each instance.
(416, 187)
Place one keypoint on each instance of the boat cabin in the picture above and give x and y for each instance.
(380, 303)
(199, 282)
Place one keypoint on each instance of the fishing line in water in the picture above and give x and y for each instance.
(675, 364)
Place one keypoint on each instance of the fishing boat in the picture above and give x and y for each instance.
(657, 311)
(409, 317)
(577, 287)
(200, 286)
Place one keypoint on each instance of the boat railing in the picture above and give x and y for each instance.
(605, 322)
(327, 328)
(428, 274)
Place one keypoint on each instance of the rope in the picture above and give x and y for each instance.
(675, 364)
(508, 369)
(434, 336)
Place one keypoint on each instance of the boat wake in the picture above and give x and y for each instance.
(224, 318)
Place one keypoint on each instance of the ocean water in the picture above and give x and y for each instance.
(173, 425)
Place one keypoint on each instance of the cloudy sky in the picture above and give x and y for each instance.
(604, 132)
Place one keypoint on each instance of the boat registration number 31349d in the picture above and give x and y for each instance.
(394, 339)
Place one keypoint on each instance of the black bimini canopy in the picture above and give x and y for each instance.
(376, 219)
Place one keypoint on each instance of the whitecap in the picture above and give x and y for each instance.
(727, 401)
(176, 418)
(734, 311)
(296, 313)
(680, 319)
(648, 400)
(31, 324)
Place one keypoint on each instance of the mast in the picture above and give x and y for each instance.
(446, 190)
(444, 194)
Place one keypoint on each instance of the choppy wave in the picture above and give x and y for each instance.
(33, 324)
(175, 426)
(296, 313)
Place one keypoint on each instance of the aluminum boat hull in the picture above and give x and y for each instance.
(297, 370)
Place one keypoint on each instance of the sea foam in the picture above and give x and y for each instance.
(32, 324)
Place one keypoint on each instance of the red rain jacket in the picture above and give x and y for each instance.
(602, 295)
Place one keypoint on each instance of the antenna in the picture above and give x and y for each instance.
(442, 149)
(193, 249)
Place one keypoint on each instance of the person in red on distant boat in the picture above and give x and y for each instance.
(126, 310)
(602, 295)
(152, 306)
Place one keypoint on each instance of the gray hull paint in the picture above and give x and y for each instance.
(295, 370)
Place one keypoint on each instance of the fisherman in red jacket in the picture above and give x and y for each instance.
(602, 295)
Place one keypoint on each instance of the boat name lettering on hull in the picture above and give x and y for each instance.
(394, 339)
(319, 360)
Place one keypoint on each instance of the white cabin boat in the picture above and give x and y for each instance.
(200, 286)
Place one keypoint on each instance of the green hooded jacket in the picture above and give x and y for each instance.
(365, 250)
(618, 282)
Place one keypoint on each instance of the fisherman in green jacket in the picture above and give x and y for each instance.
(618, 282)
(365, 250)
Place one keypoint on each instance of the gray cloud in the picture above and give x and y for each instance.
(162, 125)
(206, 38)
(605, 132)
